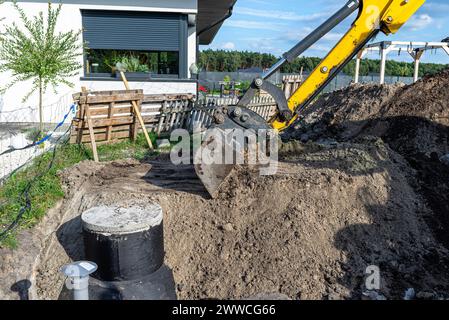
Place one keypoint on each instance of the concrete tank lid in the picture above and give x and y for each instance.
(121, 220)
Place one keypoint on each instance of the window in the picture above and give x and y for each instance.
(141, 64)
(149, 45)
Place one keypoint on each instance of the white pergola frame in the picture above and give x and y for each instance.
(416, 50)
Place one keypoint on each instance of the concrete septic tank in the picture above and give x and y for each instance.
(127, 244)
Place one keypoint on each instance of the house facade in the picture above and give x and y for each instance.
(156, 39)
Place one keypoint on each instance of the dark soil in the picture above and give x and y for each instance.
(413, 120)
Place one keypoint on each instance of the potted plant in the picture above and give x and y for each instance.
(134, 68)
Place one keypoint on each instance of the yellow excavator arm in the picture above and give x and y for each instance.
(387, 16)
(374, 16)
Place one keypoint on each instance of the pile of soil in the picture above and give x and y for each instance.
(359, 184)
(413, 117)
(413, 120)
(351, 107)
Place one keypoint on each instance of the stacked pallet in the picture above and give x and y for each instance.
(111, 115)
(105, 116)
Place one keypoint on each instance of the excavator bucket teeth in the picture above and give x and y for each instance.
(210, 166)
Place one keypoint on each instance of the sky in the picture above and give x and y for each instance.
(277, 25)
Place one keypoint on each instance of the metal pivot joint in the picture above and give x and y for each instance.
(278, 95)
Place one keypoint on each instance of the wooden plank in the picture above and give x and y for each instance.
(81, 122)
(173, 116)
(92, 134)
(110, 115)
(165, 97)
(116, 121)
(100, 99)
(104, 111)
(161, 118)
(135, 126)
(122, 120)
(137, 112)
(185, 113)
(103, 129)
(102, 136)
(182, 115)
(178, 108)
(92, 99)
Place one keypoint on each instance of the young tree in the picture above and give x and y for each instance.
(38, 53)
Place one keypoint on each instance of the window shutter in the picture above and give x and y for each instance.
(126, 30)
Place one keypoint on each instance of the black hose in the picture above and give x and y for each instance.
(26, 192)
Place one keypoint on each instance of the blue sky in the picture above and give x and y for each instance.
(275, 26)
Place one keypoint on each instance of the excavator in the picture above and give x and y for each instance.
(374, 16)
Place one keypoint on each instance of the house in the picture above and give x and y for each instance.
(163, 34)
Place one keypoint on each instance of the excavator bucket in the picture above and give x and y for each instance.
(213, 176)
(225, 145)
(210, 165)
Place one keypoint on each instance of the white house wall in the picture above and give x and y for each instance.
(148, 86)
(191, 47)
(12, 109)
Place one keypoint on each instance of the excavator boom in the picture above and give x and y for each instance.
(374, 16)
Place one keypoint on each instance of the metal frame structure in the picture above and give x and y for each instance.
(416, 50)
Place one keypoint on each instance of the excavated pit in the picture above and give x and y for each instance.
(359, 183)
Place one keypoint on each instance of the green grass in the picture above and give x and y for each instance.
(33, 134)
(46, 189)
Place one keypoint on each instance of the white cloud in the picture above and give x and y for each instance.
(281, 15)
(247, 24)
(228, 46)
(419, 22)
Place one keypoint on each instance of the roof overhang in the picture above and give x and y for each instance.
(209, 12)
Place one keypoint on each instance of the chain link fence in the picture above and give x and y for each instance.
(19, 140)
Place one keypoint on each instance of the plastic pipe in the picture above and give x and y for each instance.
(78, 278)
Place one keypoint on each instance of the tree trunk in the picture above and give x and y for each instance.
(41, 111)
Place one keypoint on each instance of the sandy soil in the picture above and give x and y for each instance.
(360, 183)
(308, 232)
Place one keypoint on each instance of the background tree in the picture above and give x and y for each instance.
(38, 53)
(230, 61)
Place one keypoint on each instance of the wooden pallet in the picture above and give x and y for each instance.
(112, 119)
(105, 116)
